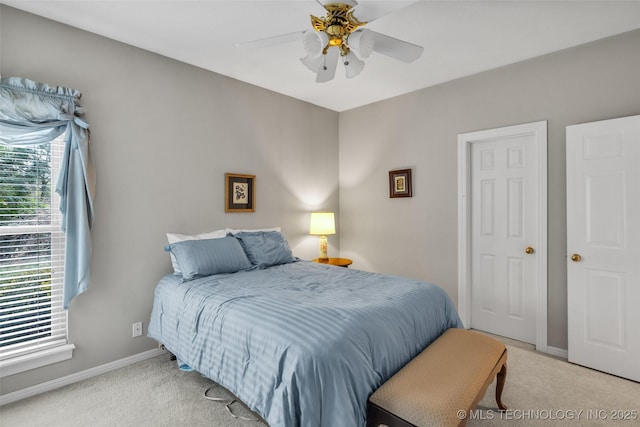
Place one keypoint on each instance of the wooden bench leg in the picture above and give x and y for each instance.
(500, 380)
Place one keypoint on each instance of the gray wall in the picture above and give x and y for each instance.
(417, 236)
(162, 135)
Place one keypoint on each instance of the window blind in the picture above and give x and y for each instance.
(31, 250)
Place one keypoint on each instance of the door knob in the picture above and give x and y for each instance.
(576, 258)
(529, 250)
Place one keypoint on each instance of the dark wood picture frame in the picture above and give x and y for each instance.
(239, 192)
(400, 183)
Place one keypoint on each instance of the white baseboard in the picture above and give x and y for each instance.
(78, 376)
(555, 351)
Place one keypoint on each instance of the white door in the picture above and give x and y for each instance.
(503, 292)
(507, 212)
(603, 243)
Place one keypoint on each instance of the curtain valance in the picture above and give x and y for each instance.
(35, 113)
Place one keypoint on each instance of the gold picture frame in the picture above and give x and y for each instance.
(239, 192)
(400, 183)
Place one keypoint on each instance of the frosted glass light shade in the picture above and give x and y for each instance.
(312, 62)
(322, 223)
(362, 41)
(327, 70)
(352, 65)
(314, 41)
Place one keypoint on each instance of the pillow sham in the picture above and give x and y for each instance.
(266, 248)
(235, 231)
(175, 238)
(198, 258)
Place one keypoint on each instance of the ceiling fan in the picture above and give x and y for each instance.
(338, 34)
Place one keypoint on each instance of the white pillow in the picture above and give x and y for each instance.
(175, 238)
(236, 231)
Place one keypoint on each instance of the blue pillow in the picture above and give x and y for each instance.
(266, 248)
(209, 256)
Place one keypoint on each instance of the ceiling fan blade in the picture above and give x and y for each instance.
(273, 40)
(396, 48)
(371, 10)
(327, 70)
(352, 3)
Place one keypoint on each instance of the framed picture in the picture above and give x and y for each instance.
(239, 193)
(400, 183)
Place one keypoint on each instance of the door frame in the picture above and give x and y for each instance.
(539, 131)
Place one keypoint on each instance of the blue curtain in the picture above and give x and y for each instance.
(34, 113)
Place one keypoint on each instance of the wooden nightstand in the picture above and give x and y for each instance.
(341, 262)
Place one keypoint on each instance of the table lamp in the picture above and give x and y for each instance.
(322, 224)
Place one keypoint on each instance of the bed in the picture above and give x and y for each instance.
(300, 343)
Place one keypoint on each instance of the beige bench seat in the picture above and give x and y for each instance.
(448, 377)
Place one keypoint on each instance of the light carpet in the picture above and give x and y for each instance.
(540, 391)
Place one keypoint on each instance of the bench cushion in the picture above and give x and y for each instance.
(452, 374)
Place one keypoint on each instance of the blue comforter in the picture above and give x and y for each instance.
(302, 344)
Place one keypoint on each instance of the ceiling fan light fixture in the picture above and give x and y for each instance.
(327, 69)
(312, 62)
(362, 41)
(338, 34)
(314, 42)
(352, 65)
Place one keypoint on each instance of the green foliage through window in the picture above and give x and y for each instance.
(25, 185)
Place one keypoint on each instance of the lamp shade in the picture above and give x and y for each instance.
(322, 223)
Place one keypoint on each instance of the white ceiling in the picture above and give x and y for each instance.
(460, 38)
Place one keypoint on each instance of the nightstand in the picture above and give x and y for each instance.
(341, 262)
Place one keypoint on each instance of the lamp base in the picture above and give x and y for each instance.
(323, 248)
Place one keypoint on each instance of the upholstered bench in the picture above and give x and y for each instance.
(441, 385)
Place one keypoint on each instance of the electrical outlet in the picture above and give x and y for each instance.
(137, 329)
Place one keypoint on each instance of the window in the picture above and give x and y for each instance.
(33, 323)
